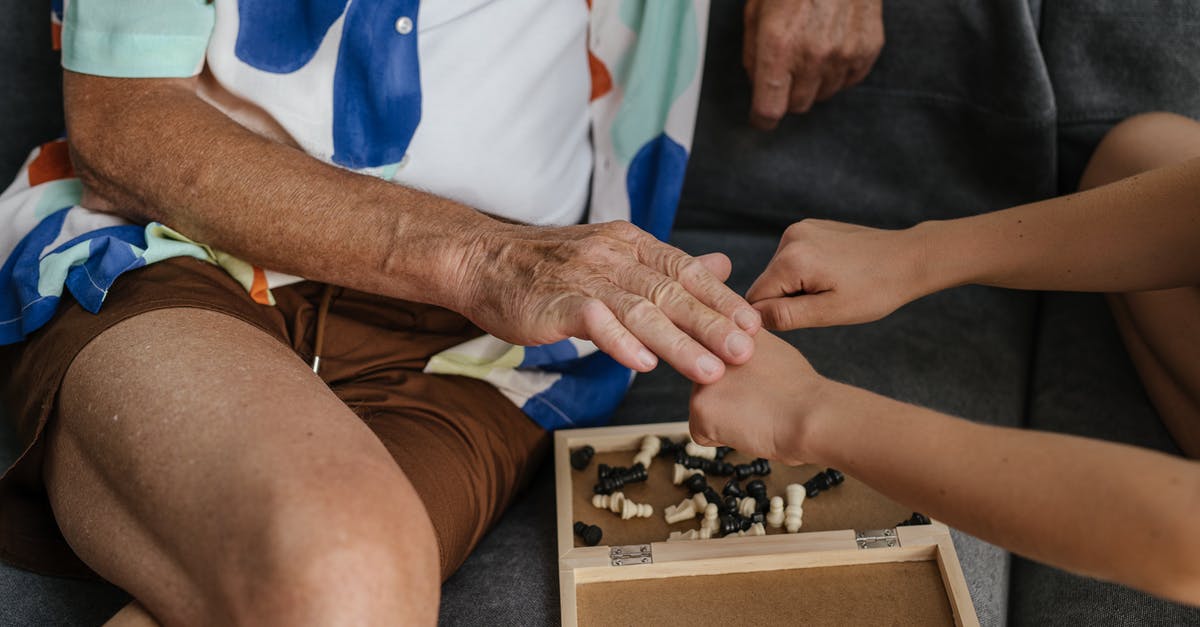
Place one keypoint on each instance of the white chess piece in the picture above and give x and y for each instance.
(695, 450)
(700, 502)
(775, 516)
(710, 519)
(757, 529)
(682, 473)
(705, 533)
(747, 505)
(610, 502)
(651, 445)
(677, 536)
(794, 513)
(629, 509)
(686, 510)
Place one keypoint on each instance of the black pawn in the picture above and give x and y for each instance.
(743, 471)
(722, 451)
(757, 490)
(733, 488)
(835, 476)
(591, 534)
(582, 456)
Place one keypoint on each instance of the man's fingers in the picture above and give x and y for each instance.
(717, 265)
(796, 312)
(699, 281)
(804, 92)
(772, 82)
(750, 37)
(656, 331)
(609, 335)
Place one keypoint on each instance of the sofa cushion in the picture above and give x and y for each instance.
(1084, 384)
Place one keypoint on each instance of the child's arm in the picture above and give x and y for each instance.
(1106, 510)
(1138, 233)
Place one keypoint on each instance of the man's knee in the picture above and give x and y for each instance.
(1140, 143)
(336, 554)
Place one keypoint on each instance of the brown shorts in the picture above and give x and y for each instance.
(464, 446)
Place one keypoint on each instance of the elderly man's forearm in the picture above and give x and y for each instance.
(151, 149)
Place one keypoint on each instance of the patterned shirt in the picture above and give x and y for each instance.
(488, 102)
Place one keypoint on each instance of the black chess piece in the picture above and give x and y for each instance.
(591, 534)
(582, 456)
(722, 451)
(758, 491)
(695, 483)
(711, 496)
(733, 488)
(835, 476)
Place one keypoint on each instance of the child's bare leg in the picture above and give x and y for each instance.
(1161, 328)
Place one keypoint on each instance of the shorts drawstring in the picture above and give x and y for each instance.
(322, 314)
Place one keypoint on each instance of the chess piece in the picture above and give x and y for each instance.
(699, 502)
(604, 470)
(667, 448)
(917, 518)
(629, 509)
(686, 510)
(682, 473)
(705, 533)
(582, 456)
(733, 488)
(757, 489)
(747, 505)
(614, 479)
(711, 496)
(835, 476)
(757, 529)
(611, 503)
(710, 522)
(591, 534)
(775, 516)
(677, 536)
(793, 514)
(651, 445)
(696, 483)
(695, 450)
(729, 505)
(722, 451)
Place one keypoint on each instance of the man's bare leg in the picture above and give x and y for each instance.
(200, 465)
(1161, 328)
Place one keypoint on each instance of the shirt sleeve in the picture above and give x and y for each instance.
(137, 38)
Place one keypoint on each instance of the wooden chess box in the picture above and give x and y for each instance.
(850, 564)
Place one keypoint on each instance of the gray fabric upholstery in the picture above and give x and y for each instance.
(973, 106)
(1084, 384)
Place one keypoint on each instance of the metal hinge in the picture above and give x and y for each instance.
(631, 555)
(876, 538)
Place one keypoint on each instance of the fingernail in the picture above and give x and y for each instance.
(746, 318)
(739, 344)
(647, 359)
(708, 364)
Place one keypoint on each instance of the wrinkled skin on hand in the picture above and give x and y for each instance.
(798, 52)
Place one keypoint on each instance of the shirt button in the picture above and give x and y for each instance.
(404, 25)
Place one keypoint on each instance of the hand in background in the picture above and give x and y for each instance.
(800, 51)
(766, 407)
(827, 273)
(633, 296)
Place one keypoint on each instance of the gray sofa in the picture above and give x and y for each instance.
(973, 106)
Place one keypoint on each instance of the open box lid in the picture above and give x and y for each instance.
(850, 525)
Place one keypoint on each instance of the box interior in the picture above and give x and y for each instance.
(887, 593)
(851, 505)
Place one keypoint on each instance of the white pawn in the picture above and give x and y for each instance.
(775, 516)
(686, 510)
(699, 502)
(757, 529)
(629, 509)
(705, 533)
(710, 519)
(794, 513)
(611, 503)
(683, 472)
(695, 450)
(651, 445)
(747, 505)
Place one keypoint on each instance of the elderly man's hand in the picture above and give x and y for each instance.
(801, 51)
(610, 283)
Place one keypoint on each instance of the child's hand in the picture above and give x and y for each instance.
(829, 273)
(765, 407)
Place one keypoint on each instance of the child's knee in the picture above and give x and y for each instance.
(1143, 142)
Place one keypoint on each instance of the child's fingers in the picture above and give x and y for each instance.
(798, 312)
